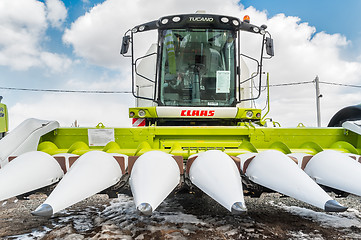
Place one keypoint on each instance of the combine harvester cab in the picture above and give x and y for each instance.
(194, 127)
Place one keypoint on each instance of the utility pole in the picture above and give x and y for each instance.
(318, 96)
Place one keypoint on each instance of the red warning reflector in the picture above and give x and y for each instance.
(138, 122)
(246, 19)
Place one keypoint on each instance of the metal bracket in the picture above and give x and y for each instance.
(353, 126)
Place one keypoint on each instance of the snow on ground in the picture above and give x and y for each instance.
(344, 220)
(122, 212)
(340, 220)
(119, 214)
(336, 220)
(269, 217)
(37, 234)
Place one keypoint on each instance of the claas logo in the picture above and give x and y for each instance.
(197, 113)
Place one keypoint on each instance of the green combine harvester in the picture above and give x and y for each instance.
(193, 128)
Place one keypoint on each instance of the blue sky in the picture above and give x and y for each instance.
(75, 45)
(329, 16)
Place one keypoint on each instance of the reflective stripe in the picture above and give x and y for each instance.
(138, 122)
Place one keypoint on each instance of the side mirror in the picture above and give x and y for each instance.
(125, 45)
(269, 47)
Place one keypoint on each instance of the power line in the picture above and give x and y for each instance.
(290, 84)
(341, 84)
(307, 82)
(62, 90)
(129, 92)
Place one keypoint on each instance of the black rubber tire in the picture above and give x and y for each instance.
(351, 113)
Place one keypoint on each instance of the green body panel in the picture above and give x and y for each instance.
(241, 113)
(151, 112)
(186, 141)
(3, 118)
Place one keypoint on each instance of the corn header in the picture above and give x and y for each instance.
(193, 128)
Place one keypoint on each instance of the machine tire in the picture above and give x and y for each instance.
(351, 113)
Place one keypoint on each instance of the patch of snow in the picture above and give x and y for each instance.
(338, 220)
(140, 237)
(37, 234)
(74, 236)
(123, 207)
(299, 235)
(231, 232)
(178, 217)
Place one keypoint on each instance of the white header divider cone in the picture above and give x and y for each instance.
(277, 171)
(336, 170)
(216, 174)
(93, 172)
(154, 176)
(24, 138)
(28, 172)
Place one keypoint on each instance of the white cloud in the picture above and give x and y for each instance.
(106, 82)
(23, 24)
(87, 109)
(56, 12)
(30, 14)
(96, 36)
(301, 54)
(55, 62)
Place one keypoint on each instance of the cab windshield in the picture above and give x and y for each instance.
(197, 68)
